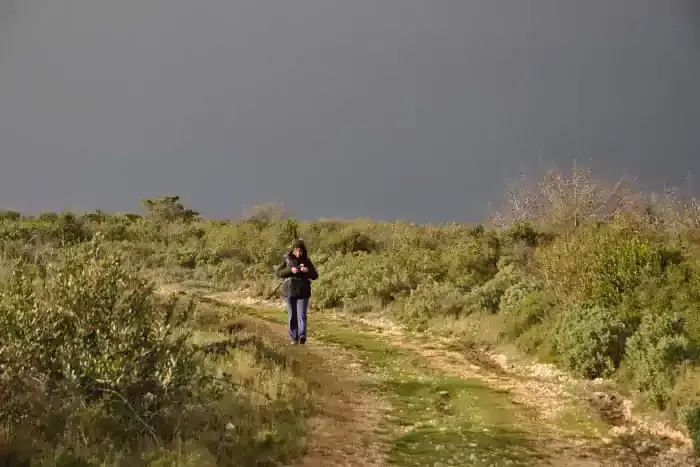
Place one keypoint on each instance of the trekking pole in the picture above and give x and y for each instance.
(269, 297)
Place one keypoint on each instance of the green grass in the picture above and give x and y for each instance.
(451, 421)
(269, 314)
(581, 421)
(374, 352)
(435, 420)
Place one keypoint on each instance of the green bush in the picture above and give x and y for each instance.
(514, 295)
(471, 261)
(528, 314)
(227, 273)
(427, 302)
(619, 266)
(591, 341)
(654, 354)
(692, 422)
(347, 281)
(168, 209)
(87, 335)
(487, 297)
(521, 232)
(521, 312)
(349, 240)
(602, 264)
(677, 292)
(684, 404)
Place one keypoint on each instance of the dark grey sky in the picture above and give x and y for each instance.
(385, 108)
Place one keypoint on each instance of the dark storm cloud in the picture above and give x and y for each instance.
(397, 108)
(7, 9)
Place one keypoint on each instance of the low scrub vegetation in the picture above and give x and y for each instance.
(99, 369)
(596, 277)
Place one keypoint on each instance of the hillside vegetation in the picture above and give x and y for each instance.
(98, 367)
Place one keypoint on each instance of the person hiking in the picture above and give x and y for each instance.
(298, 271)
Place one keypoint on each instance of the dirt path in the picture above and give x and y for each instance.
(345, 431)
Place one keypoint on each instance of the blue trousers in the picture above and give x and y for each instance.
(296, 312)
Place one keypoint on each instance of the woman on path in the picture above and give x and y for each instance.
(297, 271)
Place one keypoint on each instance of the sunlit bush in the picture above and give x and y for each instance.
(87, 335)
(654, 354)
(591, 341)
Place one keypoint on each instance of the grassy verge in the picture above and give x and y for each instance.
(267, 407)
(257, 417)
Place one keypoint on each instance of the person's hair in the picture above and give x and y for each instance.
(299, 243)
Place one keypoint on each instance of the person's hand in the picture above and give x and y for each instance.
(304, 268)
(294, 270)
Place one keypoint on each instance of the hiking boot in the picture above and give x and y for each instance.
(293, 342)
(302, 340)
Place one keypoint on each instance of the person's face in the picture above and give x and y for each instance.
(297, 252)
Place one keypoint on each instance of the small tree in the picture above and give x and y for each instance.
(264, 215)
(564, 199)
(9, 215)
(168, 209)
(290, 230)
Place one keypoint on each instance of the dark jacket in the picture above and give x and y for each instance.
(296, 285)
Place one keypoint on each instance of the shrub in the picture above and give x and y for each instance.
(654, 354)
(471, 260)
(522, 232)
(678, 292)
(88, 335)
(9, 215)
(265, 215)
(527, 314)
(533, 308)
(487, 297)
(430, 301)
(591, 341)
(692, 422)
(350, 280)
(168, 209)
(603, 265)
(350, 241)
(619, 266)
(344, 281)
(686, 392)
(227, 273)
(514, 295)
